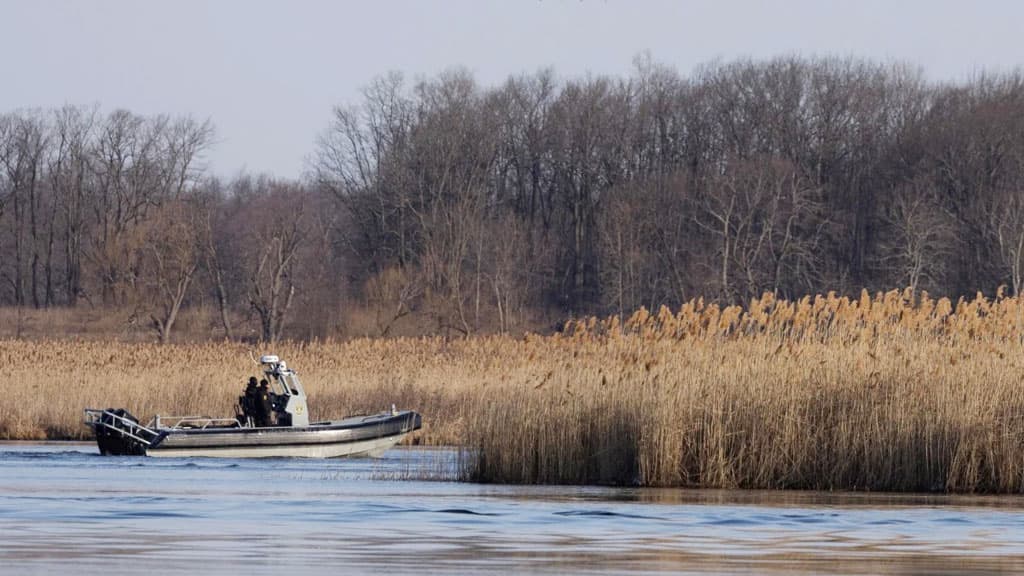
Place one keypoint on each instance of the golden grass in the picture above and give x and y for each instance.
(881, 393)
(47, 384)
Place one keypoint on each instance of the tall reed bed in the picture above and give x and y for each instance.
(891, 392)
(884, 393)
(45, 385)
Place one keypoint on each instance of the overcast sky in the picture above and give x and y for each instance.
(268, 72)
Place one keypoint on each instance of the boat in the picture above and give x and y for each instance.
(289, 433)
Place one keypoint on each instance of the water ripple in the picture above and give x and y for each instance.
(68, 510)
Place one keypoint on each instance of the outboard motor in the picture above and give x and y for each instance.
(111, 440)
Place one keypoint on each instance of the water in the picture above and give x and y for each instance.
(65, 509)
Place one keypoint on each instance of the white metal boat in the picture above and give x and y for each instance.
(292, 434)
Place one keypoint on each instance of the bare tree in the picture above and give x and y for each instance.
(69, 169)
(215, 267)
(362, 159)
(23, 157)
(587, 119)
(392, 295)
(762, 216)
(454, 147)
(1005, 225)
(276, 243)
(922, 236)
(171, 255)
(140, 164)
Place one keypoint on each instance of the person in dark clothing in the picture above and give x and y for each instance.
(264, 405)
(249, 406)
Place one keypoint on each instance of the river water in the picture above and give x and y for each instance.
(65, 509)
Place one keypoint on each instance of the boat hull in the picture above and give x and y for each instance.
(118, 434)
(372, 448)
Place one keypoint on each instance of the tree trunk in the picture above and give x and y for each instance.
(213, 263)
(19, 280)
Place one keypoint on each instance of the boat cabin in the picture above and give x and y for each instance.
(290, 404)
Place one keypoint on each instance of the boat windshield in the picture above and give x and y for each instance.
(285, 383)
(291, 382)
(276, 385)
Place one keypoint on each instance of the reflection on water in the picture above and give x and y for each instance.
(63, 508)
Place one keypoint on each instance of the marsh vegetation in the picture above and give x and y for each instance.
(892, 392)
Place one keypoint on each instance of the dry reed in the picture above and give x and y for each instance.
(891, 392)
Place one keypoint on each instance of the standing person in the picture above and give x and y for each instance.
(264, 405)
(249, 400)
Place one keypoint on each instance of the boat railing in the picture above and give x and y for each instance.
(122, 425)
(193, 422)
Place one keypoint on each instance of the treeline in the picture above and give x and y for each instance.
(445, 206)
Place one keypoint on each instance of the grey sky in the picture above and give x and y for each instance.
(267, 73)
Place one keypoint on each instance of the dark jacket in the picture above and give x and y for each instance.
(264, 406)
